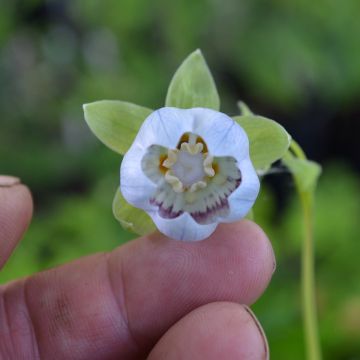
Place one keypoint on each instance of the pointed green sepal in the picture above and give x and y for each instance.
(131, 218)
(269, 141)
(193, 85)
(115, 123)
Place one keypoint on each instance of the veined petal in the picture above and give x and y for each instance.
(135, 186)
(243, 198)
(164, 127)
(223, 136)
(183, 227)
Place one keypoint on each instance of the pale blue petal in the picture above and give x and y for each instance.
(164, 127)
(223, 136)
(243, 198)
(135, 186)
(183, 227)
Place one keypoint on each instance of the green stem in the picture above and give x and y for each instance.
(296, 161)
(313, 350)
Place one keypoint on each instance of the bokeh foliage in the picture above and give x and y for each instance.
(295, 61)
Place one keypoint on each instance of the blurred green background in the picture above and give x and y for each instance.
(297, 62)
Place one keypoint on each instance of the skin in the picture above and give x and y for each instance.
(153, 298)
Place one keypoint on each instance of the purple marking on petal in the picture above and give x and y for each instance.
(220, 208)
(209, 215)
(166, 213)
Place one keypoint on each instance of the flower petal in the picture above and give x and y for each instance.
(243, 198)
(223, 136)
(135, 186)
(164, 127)
(183, 227)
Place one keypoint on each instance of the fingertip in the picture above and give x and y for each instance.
(254, 252)
(16, 208)
(221, 330)
(243, 228)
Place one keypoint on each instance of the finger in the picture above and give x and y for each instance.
(15, 214)
(219, 330)
(235, 264)
(120, 304)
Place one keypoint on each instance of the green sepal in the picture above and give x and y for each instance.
(268, 140)
(193, 85)
(305, 172)
(115, 123)
(131, 218)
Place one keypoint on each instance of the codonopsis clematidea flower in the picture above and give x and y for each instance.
(190, 170)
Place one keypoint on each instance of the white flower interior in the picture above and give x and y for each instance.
(190, 180)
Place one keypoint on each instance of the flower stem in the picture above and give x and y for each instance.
(313, 350)
(305, 175)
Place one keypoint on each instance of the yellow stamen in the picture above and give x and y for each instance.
(208, 169)
(192, 149)
(201, 141)
(197, 186)
(176, 184)
(215, 166)
(171, 159)
(162, 167)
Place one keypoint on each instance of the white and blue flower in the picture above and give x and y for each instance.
(190, 170)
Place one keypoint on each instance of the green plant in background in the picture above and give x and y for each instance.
(116, 124)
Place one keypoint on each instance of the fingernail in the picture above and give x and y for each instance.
(8, 181)
(274, 266)
(266, 345)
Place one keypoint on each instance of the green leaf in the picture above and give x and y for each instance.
(115, 123)
(193, 85)
(131, 218)
(305, 172)
(269, 141)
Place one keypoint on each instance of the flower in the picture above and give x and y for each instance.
(190, 170)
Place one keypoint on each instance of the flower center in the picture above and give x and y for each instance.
(191, 180)
(188, 166)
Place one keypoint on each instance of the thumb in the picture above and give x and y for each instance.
(15, 214)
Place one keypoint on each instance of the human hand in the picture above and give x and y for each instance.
(152, 298)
